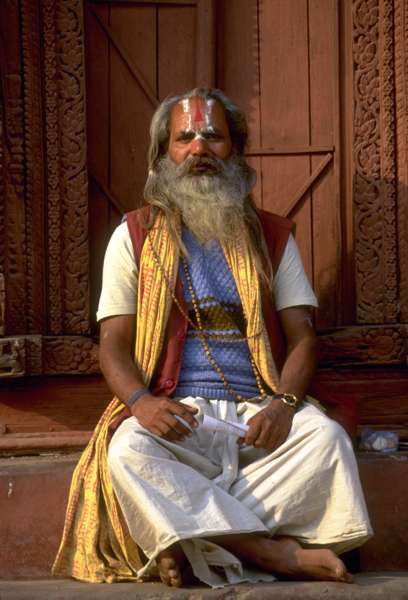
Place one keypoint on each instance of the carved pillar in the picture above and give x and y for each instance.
(401, 86)
(67, 209)
(35, 301)
(43, 190)
(375, 162)
(12, 218)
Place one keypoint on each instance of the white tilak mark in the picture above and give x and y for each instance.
(10, 489)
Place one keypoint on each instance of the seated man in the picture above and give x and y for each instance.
(205, 310)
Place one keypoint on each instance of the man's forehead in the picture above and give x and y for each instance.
(198, 113)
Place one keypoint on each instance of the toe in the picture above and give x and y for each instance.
(346, 577)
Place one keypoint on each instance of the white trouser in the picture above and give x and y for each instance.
(206, 486)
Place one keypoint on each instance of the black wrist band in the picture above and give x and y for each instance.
(136, 395)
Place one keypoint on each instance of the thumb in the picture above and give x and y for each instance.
(192, 409)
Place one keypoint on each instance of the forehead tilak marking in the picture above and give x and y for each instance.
(197, 117)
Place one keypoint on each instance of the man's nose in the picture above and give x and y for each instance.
(199, 146)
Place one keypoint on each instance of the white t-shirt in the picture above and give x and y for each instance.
(119, 284)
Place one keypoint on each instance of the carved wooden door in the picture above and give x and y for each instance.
(324, 85)
(137, 53)
(279, 59)
(72, 70)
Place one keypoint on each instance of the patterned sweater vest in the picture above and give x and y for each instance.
(276, 230)
(222, 318)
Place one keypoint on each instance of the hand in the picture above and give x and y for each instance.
(270, 427)
(157, 415)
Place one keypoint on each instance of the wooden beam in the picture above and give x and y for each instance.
(152, 2)
(133, 69)
(205, 43)
(308, 184)
(278, 151)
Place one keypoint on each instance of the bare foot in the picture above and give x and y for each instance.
(286, 557)
(170, 564)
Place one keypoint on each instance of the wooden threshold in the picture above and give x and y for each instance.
(39, 442)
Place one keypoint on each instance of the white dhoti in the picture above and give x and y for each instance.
(308, 489)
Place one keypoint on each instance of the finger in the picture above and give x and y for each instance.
(155, 431)
(181, 410)
(276, 439)
(167, 432)
(268, 438)
(253, 431)
(174, 436)
(192, 409)
(178, 424)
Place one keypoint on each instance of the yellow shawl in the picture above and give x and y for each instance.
(96, 545)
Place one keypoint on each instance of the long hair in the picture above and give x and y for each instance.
(157, 198)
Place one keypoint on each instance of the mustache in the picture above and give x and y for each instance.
(201, 165)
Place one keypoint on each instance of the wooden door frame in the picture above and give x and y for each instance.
(55, 95)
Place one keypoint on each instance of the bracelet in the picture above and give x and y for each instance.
(136, 395)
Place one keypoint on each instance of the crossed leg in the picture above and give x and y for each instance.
(283, 557)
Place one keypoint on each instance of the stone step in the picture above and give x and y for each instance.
(34, 491)
(367, 586)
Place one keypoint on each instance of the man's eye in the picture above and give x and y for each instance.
(212, 136)
(185, 139)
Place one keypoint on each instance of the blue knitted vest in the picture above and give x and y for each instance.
(221, 314)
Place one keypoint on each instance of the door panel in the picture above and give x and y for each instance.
(289, 91)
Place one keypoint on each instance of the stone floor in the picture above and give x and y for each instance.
(367, 586)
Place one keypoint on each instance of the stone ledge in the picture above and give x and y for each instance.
(367, 586)
(34, 491)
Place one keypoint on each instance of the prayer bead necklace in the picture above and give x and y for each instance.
(202, 335)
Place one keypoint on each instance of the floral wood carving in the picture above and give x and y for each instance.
(401, 85)
(2, 229)
(55, 295)
(70, 355)
(34, 156)
(2, 303)
(374, 158)
(43, 355)
(66, 164)
(364, 346)
(13, 215)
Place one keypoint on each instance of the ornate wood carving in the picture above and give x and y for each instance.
(38, 355)
(2, 229)
(2, 303)
(34, 157)
(55, 300)
(374, 157)
(401, 85)
(364, 346)
(12, 357)
(66, 164)
(70, 355)
(13, 216)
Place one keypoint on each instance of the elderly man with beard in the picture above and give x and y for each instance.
(221, 289)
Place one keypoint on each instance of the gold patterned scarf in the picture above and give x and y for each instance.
(96, 545)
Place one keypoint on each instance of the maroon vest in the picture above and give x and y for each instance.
(276, 231)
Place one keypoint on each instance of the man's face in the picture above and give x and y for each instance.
(198, 128)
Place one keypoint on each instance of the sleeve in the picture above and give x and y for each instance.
(120, 277)
(291, 286)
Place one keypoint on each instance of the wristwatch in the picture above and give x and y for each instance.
(289, 399)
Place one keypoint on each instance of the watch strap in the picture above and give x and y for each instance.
(288, 398)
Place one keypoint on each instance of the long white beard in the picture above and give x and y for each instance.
(211, 205)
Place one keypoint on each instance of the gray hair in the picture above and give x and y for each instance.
(160, 125)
